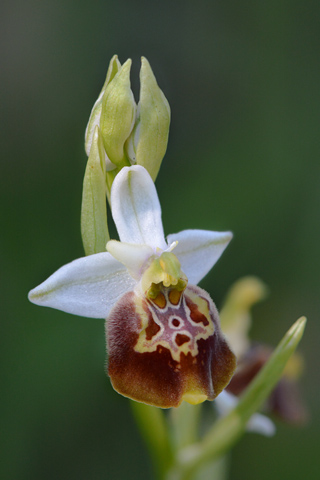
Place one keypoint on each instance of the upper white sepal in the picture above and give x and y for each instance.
(136, 209)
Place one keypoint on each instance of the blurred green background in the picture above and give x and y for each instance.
(242, 79)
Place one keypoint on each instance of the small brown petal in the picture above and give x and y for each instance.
(284, 401)
(248, 367)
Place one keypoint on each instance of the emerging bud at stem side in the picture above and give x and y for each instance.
(94, 227)
(235, 316)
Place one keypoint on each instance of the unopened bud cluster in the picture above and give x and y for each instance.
(131, 134)
(120, 133)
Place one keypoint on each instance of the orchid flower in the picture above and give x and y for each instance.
(236, 320)
(163, 334)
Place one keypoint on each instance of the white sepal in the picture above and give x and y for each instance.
(198, 251)
(88, 286)
(136, 209)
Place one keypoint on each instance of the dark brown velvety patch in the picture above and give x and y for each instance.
(152, 328)
(151, 377)
(223, 363)
(195, 315)
(181, 339)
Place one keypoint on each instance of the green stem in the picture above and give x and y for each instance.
(154, 429)
(217, 470)
(185, 424)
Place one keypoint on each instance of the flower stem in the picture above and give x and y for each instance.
(185, 424)
(154, 429)
(216, 470)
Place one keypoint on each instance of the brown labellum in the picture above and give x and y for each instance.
(168, 349)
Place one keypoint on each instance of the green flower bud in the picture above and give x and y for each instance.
(94, 227)
(118, 115)
(147, 144)
(114, 67)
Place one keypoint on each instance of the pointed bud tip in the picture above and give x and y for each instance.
(146, 72)
(145, 63)
(126, 66)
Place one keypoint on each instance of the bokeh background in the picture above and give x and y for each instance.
(242, 79)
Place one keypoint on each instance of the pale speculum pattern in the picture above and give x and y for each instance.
(174, 320)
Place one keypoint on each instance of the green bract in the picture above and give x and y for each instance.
(94, 227)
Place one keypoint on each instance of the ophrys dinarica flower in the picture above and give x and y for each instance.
(163, 334)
